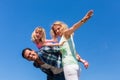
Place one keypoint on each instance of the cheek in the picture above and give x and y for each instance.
(60, 31)
(35, 57)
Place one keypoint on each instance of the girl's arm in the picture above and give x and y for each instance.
(53, 44)
(51, 40)
(79, 23)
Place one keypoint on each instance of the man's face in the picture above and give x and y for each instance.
(30, 55)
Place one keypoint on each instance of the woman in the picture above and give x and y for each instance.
(69, 61)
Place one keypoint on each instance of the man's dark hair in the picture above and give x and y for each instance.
(23, 51)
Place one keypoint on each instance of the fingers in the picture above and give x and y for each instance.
(87, 16)
(90, 13)
(86, 64)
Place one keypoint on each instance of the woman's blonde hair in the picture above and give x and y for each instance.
(63, 27)
(40, 30)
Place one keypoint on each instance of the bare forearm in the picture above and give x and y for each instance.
(55, 44)
(82, 60)
(82, 21)
(85, 63)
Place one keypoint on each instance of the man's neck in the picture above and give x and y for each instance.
(39, 61)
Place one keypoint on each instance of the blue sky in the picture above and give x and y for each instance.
(97, 41)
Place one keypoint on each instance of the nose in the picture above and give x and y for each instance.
(57, 31)
(37, 34)
(30, 56)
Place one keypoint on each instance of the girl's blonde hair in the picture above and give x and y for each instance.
(40, 30)
(63, 27)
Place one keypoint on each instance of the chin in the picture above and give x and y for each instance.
(60, 35)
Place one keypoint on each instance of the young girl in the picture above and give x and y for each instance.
(48, 49)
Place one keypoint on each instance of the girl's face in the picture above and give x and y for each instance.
(57, 28)
(30, 55)
(38, 34)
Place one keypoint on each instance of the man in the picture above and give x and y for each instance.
(53, 73)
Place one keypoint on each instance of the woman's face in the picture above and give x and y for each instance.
(57, 29)
(30, 55)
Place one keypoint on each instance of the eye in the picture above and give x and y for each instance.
(29, 55)
(57, 29)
